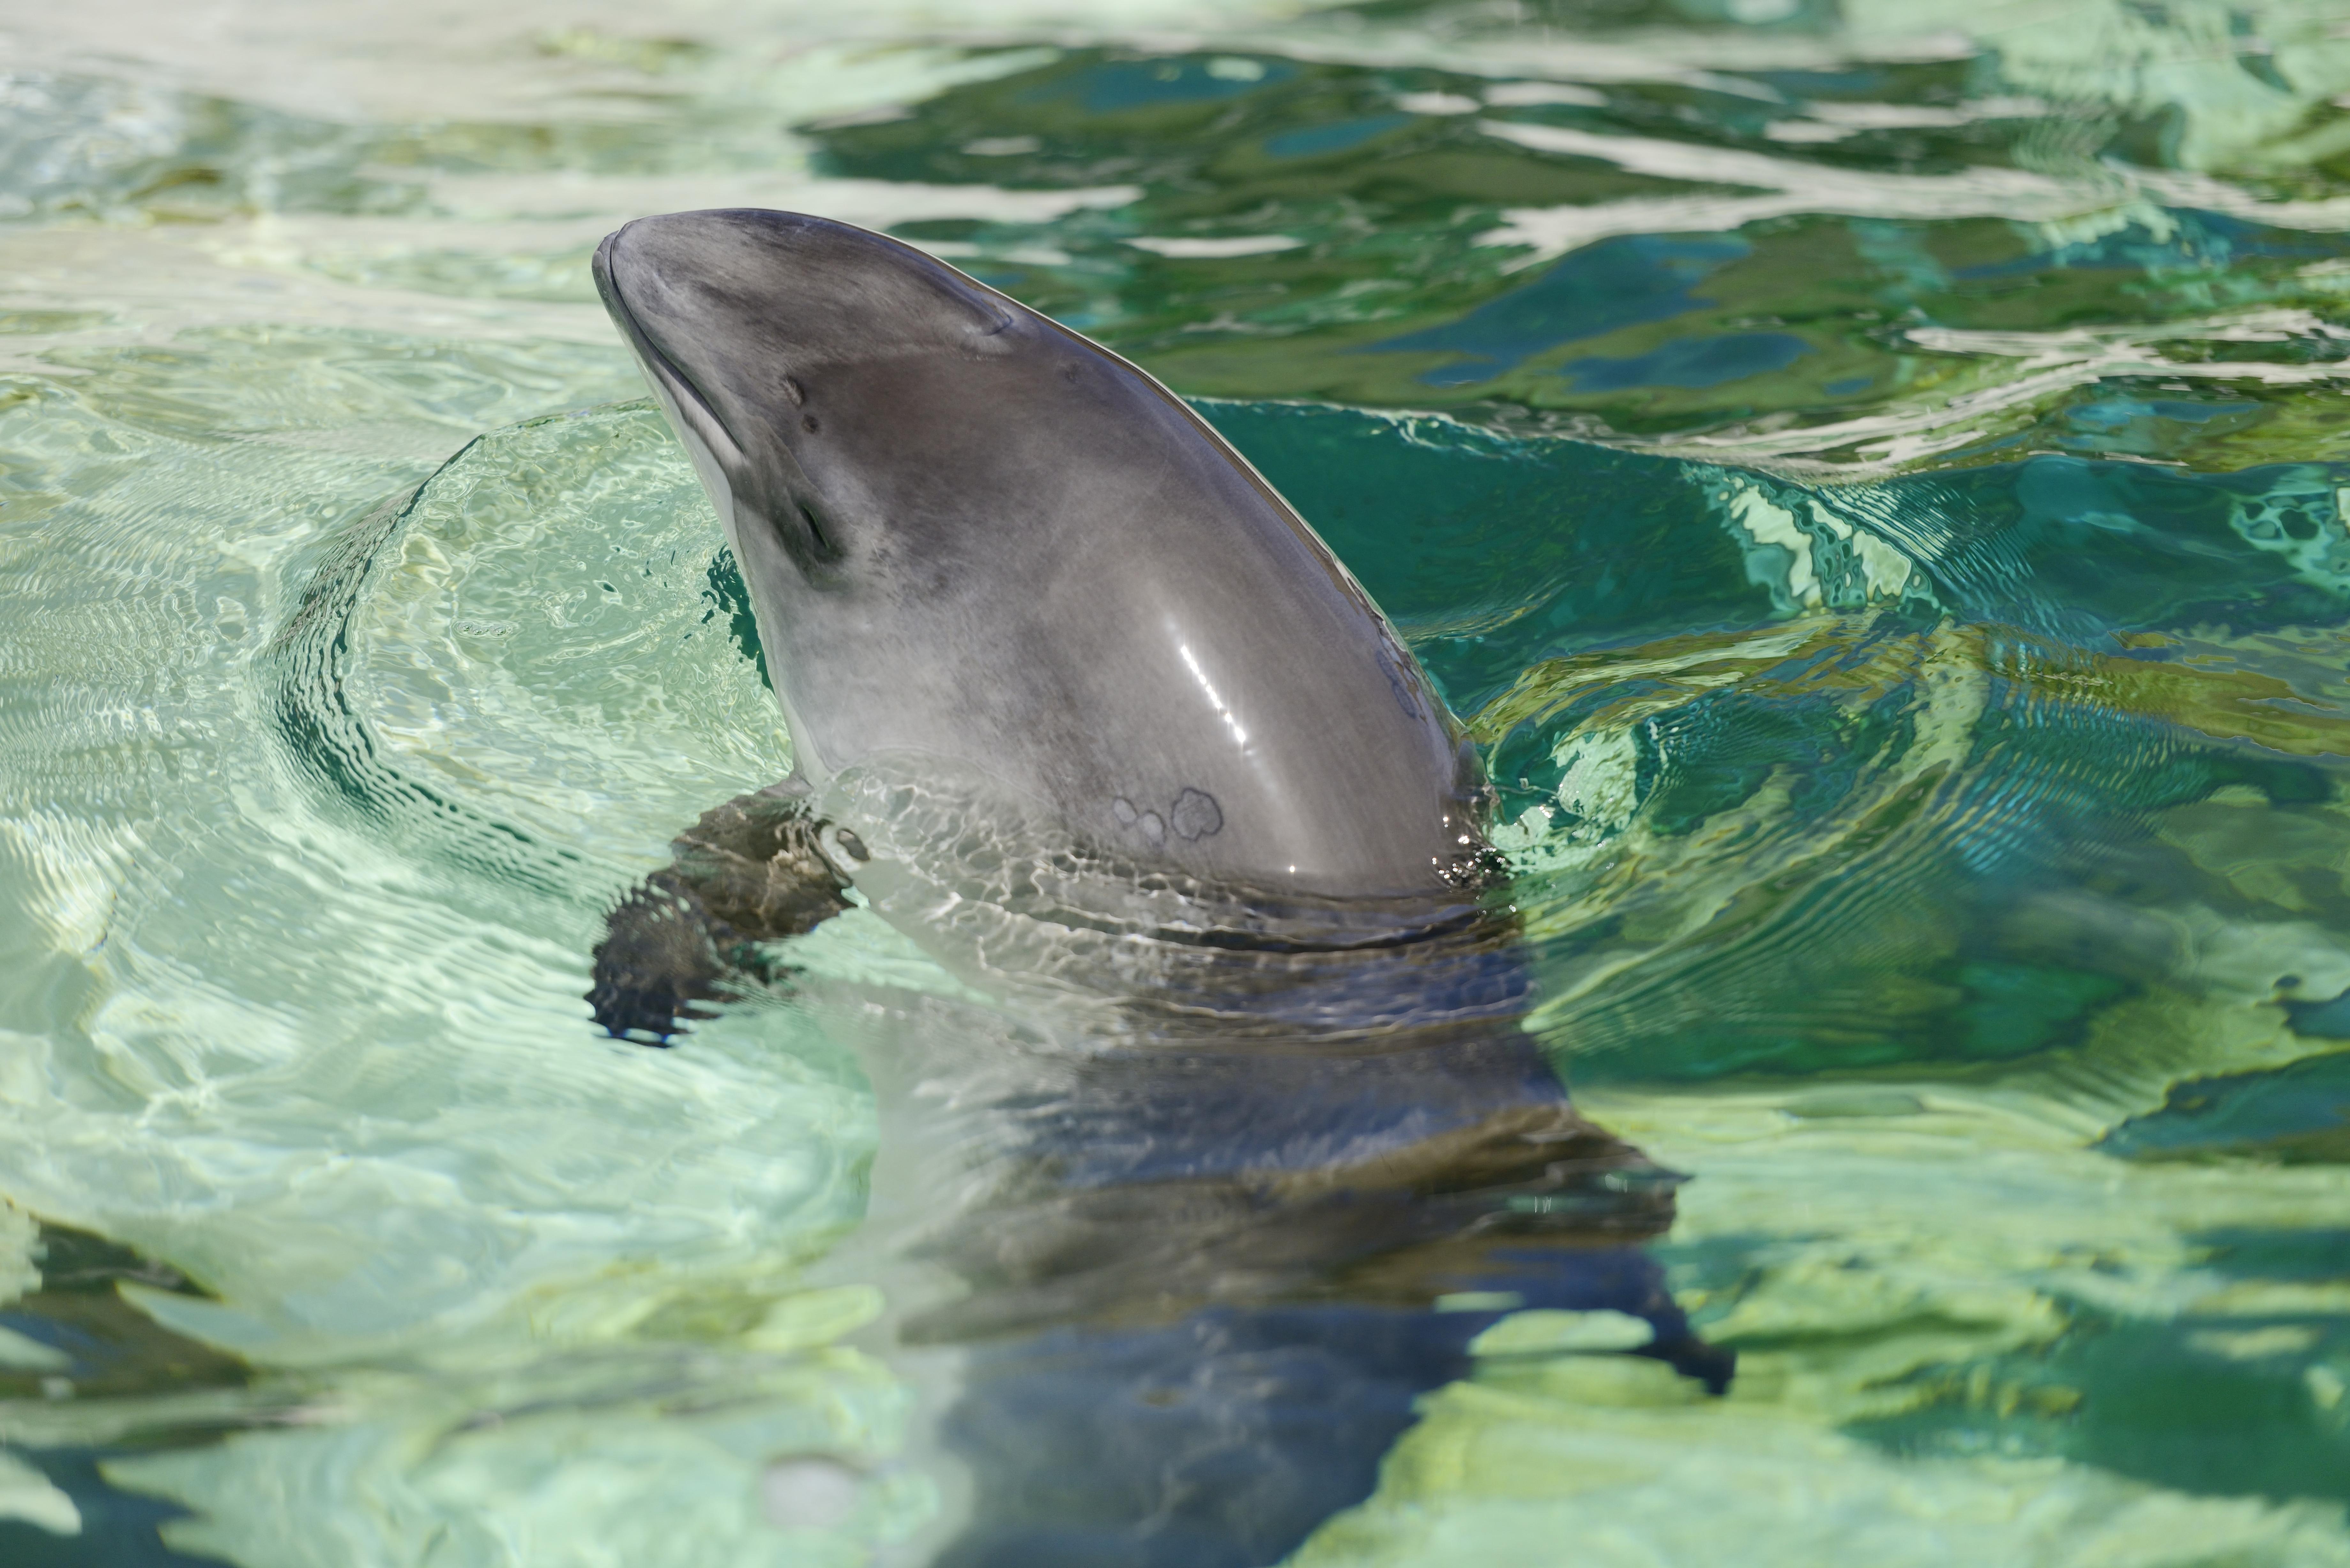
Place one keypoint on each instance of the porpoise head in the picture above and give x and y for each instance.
(973, 536)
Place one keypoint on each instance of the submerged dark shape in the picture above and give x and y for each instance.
(1257, 1145)
(100, 1346)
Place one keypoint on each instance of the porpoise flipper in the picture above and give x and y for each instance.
(747, 872)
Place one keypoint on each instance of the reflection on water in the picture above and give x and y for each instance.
(1868, 473)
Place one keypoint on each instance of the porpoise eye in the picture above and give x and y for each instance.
(807, 423)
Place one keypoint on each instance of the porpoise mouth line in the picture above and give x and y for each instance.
(616, 305)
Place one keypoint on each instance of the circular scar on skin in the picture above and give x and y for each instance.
(1197, 814)
(1194, 815)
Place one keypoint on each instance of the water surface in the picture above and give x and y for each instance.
(1870, 474)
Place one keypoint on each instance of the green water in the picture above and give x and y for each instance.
(1872, 476)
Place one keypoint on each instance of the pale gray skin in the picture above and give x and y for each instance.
(971, 535)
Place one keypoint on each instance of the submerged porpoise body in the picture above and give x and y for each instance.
(1080, 705)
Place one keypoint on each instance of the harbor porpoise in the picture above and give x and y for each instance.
(1051, 570)
(1081, 706)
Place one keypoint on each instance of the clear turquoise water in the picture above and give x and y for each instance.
(1871, 476)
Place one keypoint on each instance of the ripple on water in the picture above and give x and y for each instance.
(1917, 726)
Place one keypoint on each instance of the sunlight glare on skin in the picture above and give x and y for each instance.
(1239, 736)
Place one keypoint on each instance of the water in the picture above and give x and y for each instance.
(1870, 476)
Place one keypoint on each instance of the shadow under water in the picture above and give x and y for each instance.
(76, 1337)
(1220, 1185)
